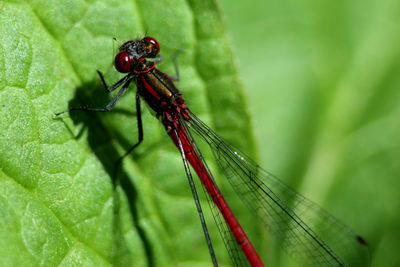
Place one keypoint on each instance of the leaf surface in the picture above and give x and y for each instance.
(59, 201)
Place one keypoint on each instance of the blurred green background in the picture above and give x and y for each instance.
(323, 86)
(321, 83)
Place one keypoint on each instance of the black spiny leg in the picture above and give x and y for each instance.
(175, 61)
(114, 86)
(140, 132)
(158, 59)
(127, 81)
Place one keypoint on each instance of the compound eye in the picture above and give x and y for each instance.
(156, 46)
(122, 63)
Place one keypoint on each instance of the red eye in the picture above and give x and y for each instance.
(152, 41)
(122, 63)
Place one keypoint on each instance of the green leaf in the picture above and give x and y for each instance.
(323, 80)
(59, 201)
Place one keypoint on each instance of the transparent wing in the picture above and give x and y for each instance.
(234, 251)
(196, 198)
(284, 212)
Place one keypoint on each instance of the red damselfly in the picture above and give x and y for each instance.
(303, 229)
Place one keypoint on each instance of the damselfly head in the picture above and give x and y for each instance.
(133, 52)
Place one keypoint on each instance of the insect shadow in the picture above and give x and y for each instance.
(100, 140)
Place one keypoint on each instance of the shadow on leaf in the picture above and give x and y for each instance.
(100, 140)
